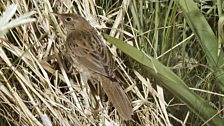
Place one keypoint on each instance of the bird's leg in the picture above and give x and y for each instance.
(95, 109)
(84, 92)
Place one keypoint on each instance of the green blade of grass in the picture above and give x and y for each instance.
(206, 38)
(171, 82)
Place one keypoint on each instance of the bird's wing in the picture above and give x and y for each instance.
(91, 52)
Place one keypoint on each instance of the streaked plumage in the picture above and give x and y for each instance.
(87, 52)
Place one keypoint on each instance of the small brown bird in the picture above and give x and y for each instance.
(87, 52)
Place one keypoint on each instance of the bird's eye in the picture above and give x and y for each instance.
(68, 19)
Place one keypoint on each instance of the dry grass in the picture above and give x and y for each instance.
(36, 88)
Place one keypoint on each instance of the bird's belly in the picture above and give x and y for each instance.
(84, 71)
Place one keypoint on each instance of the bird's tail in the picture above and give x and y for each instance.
(117, 97)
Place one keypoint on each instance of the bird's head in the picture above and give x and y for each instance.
(73, 22)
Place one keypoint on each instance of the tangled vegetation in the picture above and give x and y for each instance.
(169, 53)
